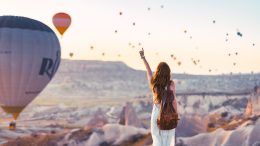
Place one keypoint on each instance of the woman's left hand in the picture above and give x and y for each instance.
(141, 53)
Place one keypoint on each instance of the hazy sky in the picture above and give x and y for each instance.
(94, 23)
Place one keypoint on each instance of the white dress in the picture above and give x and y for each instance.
(160, 137)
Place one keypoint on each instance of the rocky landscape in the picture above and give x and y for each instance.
(97, 103)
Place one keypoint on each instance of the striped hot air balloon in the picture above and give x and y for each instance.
(29, 58)
(62, 22)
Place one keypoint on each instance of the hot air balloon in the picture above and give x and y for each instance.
(29, 58)
(239, 33)
(61, 21)
(71, 54)
(194, 62)
(91, 47)
(179, 63)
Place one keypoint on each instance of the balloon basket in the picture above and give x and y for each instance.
(12, 125)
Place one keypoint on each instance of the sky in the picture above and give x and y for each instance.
(160, 31)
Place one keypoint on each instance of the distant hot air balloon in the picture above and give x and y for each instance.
(71, 54)
(179, 63)
(61, 21)
(239, 33)
(120, 13)
(91, 47)
(30, 56)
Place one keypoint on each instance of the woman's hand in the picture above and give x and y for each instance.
(141, 53)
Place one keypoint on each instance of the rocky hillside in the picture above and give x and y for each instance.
(115, 79)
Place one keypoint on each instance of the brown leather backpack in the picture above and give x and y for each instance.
(168, 117)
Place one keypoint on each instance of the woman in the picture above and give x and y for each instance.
(158, 82)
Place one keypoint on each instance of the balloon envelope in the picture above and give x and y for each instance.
(29, 57)
(62, 22)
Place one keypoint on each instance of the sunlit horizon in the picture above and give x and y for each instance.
(188, 30)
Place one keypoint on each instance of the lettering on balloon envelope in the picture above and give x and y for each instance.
(49, 67)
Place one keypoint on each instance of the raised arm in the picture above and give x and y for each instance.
(148, 69)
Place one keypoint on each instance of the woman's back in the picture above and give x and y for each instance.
(161, 137)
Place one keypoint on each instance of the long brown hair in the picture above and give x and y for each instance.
(160, 80)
